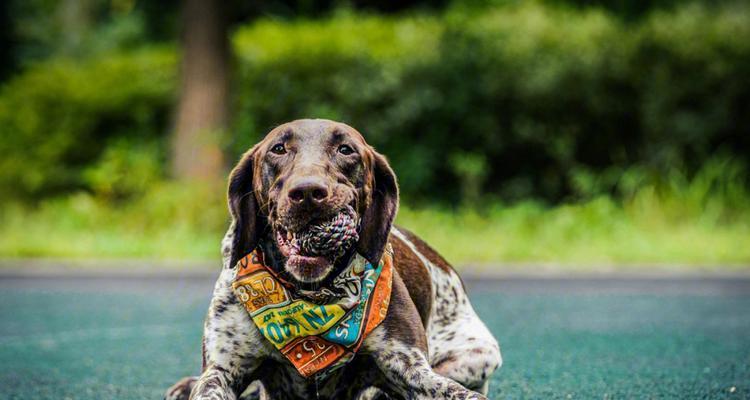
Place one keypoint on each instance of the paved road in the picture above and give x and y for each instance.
(591, 338)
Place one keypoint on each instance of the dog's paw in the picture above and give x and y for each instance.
(181, 389)
(475, 396)
(372, 393)
(466, 395)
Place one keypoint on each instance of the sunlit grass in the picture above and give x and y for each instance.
(171, 222)
(595, 233)
(699, 222)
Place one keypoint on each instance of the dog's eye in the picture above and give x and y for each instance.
(278, 149)
(345, 149)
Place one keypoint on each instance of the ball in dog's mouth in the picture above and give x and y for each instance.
(312, 251)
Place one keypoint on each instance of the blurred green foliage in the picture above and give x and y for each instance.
(37, 30)
(633, 119)
(541, 95)
(539, 92)
(703, 222)
(60, 117)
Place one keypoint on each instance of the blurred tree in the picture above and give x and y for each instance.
(202, 112)
(76, 20)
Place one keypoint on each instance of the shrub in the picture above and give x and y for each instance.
(542, 94)
(692, 77)
(552, 103)
(59, 116)
(125, 169)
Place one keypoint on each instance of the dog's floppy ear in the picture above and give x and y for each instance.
(243, 207)
(381, 210)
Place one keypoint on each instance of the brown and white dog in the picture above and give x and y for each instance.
(431, 344)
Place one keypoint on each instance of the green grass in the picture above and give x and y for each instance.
(697, 221)
(169, 222)
(703, 221)
(594, 233)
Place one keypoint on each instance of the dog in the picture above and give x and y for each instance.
(428, 343)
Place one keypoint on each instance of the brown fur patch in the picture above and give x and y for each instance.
(415, 275)
(401, 322)
(426, 250)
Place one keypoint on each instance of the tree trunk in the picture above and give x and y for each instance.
(75, 19)
(202, 113)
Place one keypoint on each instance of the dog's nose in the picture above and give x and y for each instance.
(308, 190)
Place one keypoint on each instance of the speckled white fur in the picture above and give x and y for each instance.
(461, 349)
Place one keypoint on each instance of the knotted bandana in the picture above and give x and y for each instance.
(316, 331)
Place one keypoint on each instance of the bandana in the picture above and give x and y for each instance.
(316, 331)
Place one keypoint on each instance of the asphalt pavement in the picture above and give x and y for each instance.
(98, 336)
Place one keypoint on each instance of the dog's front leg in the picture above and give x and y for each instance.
(233, 348)
(410, 375)
(398, 347)
(216, 383)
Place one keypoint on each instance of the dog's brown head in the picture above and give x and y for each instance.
(308, 176)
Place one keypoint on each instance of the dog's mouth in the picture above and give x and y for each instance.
(312, 251)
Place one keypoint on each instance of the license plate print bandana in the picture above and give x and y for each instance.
(316, 331)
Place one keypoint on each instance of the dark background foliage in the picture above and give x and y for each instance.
(551, 100)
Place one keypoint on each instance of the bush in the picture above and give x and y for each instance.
(694, 91)
(321, 69)
(542, 94)
(124, 170)
(59, 117)
(552, 103)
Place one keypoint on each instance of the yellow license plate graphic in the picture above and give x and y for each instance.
(259, 291)
(300, 318)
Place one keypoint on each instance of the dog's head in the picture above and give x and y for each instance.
(311, 193)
